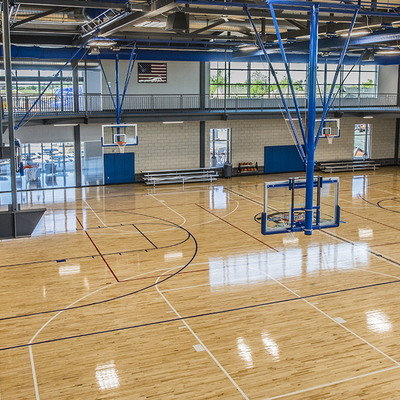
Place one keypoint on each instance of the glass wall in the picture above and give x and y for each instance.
(47, 165)
(29, 83)
(358, 81)
(92, 163)
(256, 80)
(52, 165)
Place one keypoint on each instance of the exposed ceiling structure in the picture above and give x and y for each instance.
(203, 30)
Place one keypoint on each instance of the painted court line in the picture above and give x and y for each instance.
(241, 230)
(144, 235)
(189, 316)
(97, 249)
(331, 383)
(203, 345)
(332, 319)
(184, 219)
(337, 319)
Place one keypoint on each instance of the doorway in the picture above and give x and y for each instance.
(220, 147)
(362, 141)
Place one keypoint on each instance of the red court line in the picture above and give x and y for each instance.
(241, 230)
(101, 255)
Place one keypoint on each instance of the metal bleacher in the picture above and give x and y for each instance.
(179, 176)
(349, 165)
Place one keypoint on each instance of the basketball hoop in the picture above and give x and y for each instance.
(121, 146)
(330, 138)
(32, 170)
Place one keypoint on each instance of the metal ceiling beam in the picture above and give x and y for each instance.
(77, 4)
(265, 14)
(45, 39)
(295, 23)
(338, 42)
(38, 16)
(158, 7)
(326, 28)
(300, 5)
(137, 36)
(208, 27)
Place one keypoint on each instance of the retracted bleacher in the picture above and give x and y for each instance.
(179, 176)
(349, 165)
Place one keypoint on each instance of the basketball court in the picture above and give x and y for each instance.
(127, 292)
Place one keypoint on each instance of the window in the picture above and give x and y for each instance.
(254, 80)
(47, 165)
(220, 147)
(362, 141)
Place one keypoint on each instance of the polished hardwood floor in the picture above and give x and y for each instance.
(130, 292)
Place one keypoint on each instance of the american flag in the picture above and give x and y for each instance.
(152, 73)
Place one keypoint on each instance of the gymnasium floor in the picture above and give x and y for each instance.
(126, 292)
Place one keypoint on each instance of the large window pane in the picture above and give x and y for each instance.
(92, 163)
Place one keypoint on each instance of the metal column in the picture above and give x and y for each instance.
(117, 90)
(311, 119)
(10, 110)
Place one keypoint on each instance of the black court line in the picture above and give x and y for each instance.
(124, 295)
(144, 236)
(199, 315)
(239, 229)
(97, 255)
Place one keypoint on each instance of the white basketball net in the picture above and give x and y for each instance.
(121, 146)
(330, 139)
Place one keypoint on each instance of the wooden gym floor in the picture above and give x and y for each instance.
(125, 292)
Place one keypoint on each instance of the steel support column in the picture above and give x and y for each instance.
(78, 159)
(118, 109)
(75, 85)
(7, 70)
(202, 144)
(311, 119)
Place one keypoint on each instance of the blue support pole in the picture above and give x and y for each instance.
(118, 108)
(311, 119)
(261, 44)
(325, 79)
(287, 70)
(131, 64)
(342, 55)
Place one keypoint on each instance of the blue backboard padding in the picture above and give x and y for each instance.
(282, 159)
(119, 168)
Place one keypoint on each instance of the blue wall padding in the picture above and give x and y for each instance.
(119, 168)
(282, 159)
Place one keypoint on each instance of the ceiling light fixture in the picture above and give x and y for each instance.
(388, 52)
(151, 24)
(246, 47)
(102, 43)
(173, 122)
(356, 33)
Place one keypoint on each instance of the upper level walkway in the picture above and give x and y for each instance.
(142, 105)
